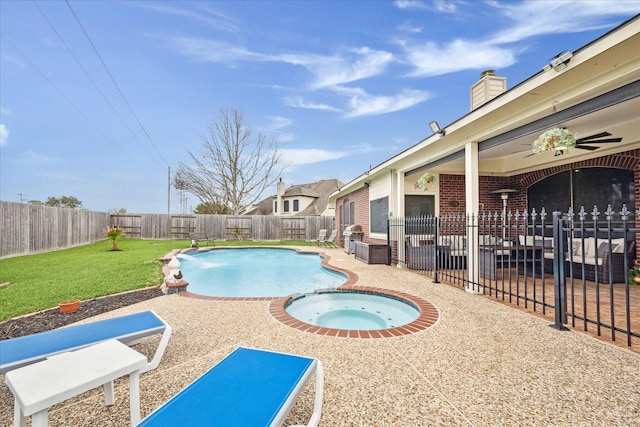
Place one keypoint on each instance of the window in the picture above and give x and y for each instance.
(379, 212)
(296, 205)
(275, 206)
(583, 187)
(348, 212)
(286, 206)
(352, 213)
(419, 205)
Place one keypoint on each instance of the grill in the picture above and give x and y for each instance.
(352, 234)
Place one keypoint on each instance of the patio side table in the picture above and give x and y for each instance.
(41, 385)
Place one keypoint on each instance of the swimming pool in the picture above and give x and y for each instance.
(256, 272)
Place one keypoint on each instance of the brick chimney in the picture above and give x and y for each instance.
(488, 87)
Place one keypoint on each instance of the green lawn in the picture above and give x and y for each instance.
(41, 281)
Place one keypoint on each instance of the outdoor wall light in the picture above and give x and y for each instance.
(435, 128)
(559, 62)
(504, 194)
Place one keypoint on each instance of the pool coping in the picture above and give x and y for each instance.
(428, 316)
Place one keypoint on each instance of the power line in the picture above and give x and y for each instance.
(89, 77)
(44, 77)
(114, 81)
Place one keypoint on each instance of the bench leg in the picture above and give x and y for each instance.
(40, 419)
(19, 420)
(134, 397)
(109, 398)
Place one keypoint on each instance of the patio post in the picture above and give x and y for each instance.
(472, 198)
(559, 279)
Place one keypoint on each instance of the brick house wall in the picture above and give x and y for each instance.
(452, 190)
(361, 199)
(452, 187)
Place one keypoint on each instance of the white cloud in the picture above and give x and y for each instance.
(305, 156)
(213, 51)
(444, 6)
(299, 102)
(533, 18)
(4, 135)
(430, 59)
(339, 69)
(277, 123)
(301, 156)
(361, 103)
(204, 14)
(327, 70)
(528, 19)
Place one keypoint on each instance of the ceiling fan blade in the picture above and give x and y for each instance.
(596, 136)
(600, 141)
(587, 147)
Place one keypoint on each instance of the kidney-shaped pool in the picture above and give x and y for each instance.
(256, 272)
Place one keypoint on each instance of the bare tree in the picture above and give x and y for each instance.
(234, 167)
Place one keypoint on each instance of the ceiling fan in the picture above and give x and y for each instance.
(582, 143)
(592, 139)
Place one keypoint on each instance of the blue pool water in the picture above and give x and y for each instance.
(256, 272)
(352, 310)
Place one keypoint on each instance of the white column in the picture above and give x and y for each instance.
(397, 186)
(472, 198)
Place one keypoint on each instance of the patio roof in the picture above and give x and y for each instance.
(598, 91)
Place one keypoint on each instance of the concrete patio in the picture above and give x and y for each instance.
(482, 364)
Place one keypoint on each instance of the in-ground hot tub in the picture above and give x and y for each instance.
(352, 310)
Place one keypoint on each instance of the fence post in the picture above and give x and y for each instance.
(436, 252)
(389, 241)
(559, 279)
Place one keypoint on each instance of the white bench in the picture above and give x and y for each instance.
(38, 386)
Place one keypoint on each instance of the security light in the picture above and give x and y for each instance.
(435, 128)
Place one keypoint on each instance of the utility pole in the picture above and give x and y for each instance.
(168, 190)
(169, 199)
(21, 197)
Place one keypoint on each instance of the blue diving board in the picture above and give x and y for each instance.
(249, 387)
(128, 329)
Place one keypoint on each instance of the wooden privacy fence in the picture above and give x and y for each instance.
(222, 227)
(27, 229)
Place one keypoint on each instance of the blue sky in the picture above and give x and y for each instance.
(99, 98)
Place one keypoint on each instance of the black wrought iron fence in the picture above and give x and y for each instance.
(574, 267)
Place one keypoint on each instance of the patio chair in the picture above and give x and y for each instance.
(322, 235)
(129, 329)
(331, 240)
(248, 387)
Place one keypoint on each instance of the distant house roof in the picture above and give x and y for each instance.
(319, 191)
(301, 190)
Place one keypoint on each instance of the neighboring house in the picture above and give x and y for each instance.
(485, 157)
(298, 200)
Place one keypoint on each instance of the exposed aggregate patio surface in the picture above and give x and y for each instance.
(482, 364)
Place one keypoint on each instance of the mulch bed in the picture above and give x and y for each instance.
(52, 318)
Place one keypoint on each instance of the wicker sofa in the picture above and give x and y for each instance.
(610, 258)
(421, 253)
(582, 255)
